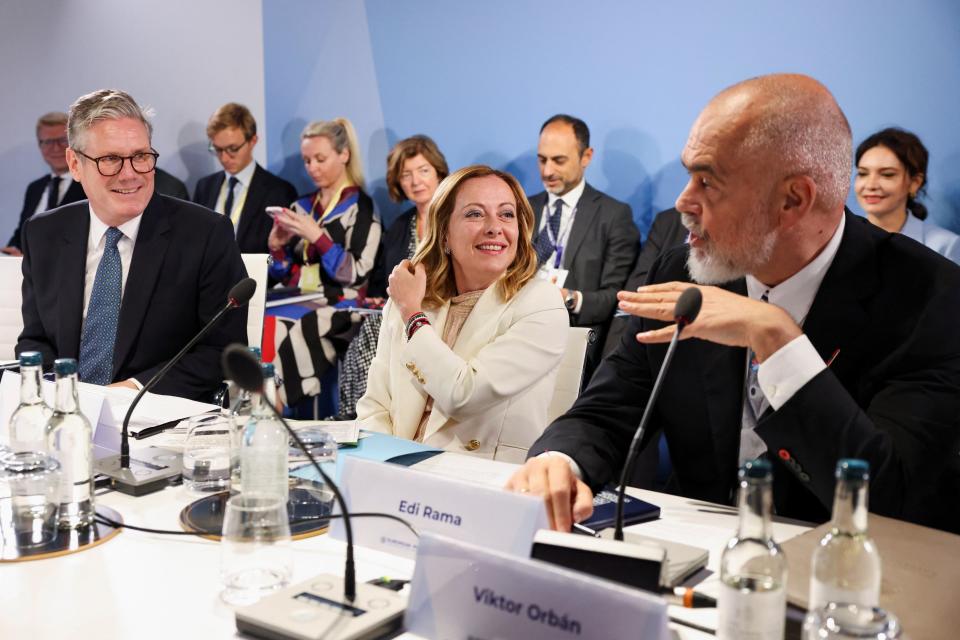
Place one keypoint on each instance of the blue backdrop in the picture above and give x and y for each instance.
(480, 78)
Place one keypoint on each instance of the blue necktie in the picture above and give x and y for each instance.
(544, 246)
(103, 312)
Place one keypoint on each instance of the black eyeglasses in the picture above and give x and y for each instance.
(53, 142)
(231, 151)
(111, 165)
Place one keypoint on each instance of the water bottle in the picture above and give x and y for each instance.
(846, 564)
(263, 447)
(70, 442)
(29, 420)
(241, 413)
(752, 604)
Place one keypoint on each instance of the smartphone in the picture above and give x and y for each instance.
(273, 211)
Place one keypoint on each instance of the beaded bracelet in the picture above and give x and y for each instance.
(415, 326)
(414, 317)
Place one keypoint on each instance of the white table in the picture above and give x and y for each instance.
(142, 585)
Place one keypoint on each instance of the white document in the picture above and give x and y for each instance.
(343, 431)
(472, 469)
(494, 518)
(461, 590)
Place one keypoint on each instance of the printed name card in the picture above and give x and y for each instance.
(494, 518)
(460, 590)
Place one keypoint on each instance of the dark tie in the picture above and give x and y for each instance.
(53, 196)
(544, 245)
(100, 328)
(228, 205)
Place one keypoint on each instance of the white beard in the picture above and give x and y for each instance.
(709, 268)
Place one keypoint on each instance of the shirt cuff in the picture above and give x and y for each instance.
(574, 467)
(579, 296)
(136, 383)
(788, 369)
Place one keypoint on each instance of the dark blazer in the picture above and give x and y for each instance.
(266, 190)
(666, 231)
(600, 252)
(393, 250)
(168, 184)
(891, 396)
(184, 262)
(36, 190)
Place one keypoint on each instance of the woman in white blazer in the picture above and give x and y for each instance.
(471, 339)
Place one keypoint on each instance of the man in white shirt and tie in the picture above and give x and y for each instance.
(244, 189)
(583, 237)
(57, 187)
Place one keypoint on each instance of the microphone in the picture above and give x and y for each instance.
(242, 367)
(684, 313)
(156, 475)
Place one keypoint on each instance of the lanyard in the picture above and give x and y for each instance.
(562, 233)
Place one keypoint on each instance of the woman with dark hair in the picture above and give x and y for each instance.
(471, 339)
(415, 167)
(891, 174)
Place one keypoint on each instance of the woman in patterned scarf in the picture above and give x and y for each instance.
(326, 242)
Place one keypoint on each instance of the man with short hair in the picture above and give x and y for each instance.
(578, 229)
(244, 189)
(54, 189)
(820, 337)
(126, 280)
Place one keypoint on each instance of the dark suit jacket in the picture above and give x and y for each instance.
(666, 231)
(36, 190)
(266, 190)
(891, 396)
(393, 250)
(184, 262)
(599, 254)
(167, 184)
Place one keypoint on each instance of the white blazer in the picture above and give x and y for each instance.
(490, 392)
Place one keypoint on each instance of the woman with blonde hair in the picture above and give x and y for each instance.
(325, 242)
(471, 339)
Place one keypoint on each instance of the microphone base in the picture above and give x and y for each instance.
(316, 609)
(150, 470)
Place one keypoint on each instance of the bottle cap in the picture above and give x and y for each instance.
(31, 359)
(758, 469)
(266, 368)
(255, 351)
(853, 469)
(64, 366)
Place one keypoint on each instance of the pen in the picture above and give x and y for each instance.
(687, 597)
(833, 357)
(585, 530)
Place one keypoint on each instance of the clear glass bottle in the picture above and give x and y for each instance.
(752, 603)
(264, 448)
(29, 420)
(845, 568)
(240, 414)
(70, 442)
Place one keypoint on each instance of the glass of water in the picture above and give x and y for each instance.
(206, 453)
(31, 480)
(849, 621)
(255, 557)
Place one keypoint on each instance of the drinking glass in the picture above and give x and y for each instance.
(30, 483)
(206, 453)
(837, 621)
(256, 557)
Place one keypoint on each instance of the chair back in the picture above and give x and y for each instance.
(256, 265)
(11, 313)
(570, 375)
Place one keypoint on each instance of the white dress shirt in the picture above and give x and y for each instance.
(65, 181)
(244, 176)
(568, 212)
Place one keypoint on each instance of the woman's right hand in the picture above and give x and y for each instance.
(279, 237)
(406, 286)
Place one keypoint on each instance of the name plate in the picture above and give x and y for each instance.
(494, 518)
(464, 591)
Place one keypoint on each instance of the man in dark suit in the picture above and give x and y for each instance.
(124, 281)
(579, 230)
(244, 189)
(826, 338)
(53, 189)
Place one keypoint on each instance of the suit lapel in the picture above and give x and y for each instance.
(148, 254)
(210, 197)
(72, 261)
(251, 204)
(586, 213)
(410, 398)
(536, 203)
(476, 332)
